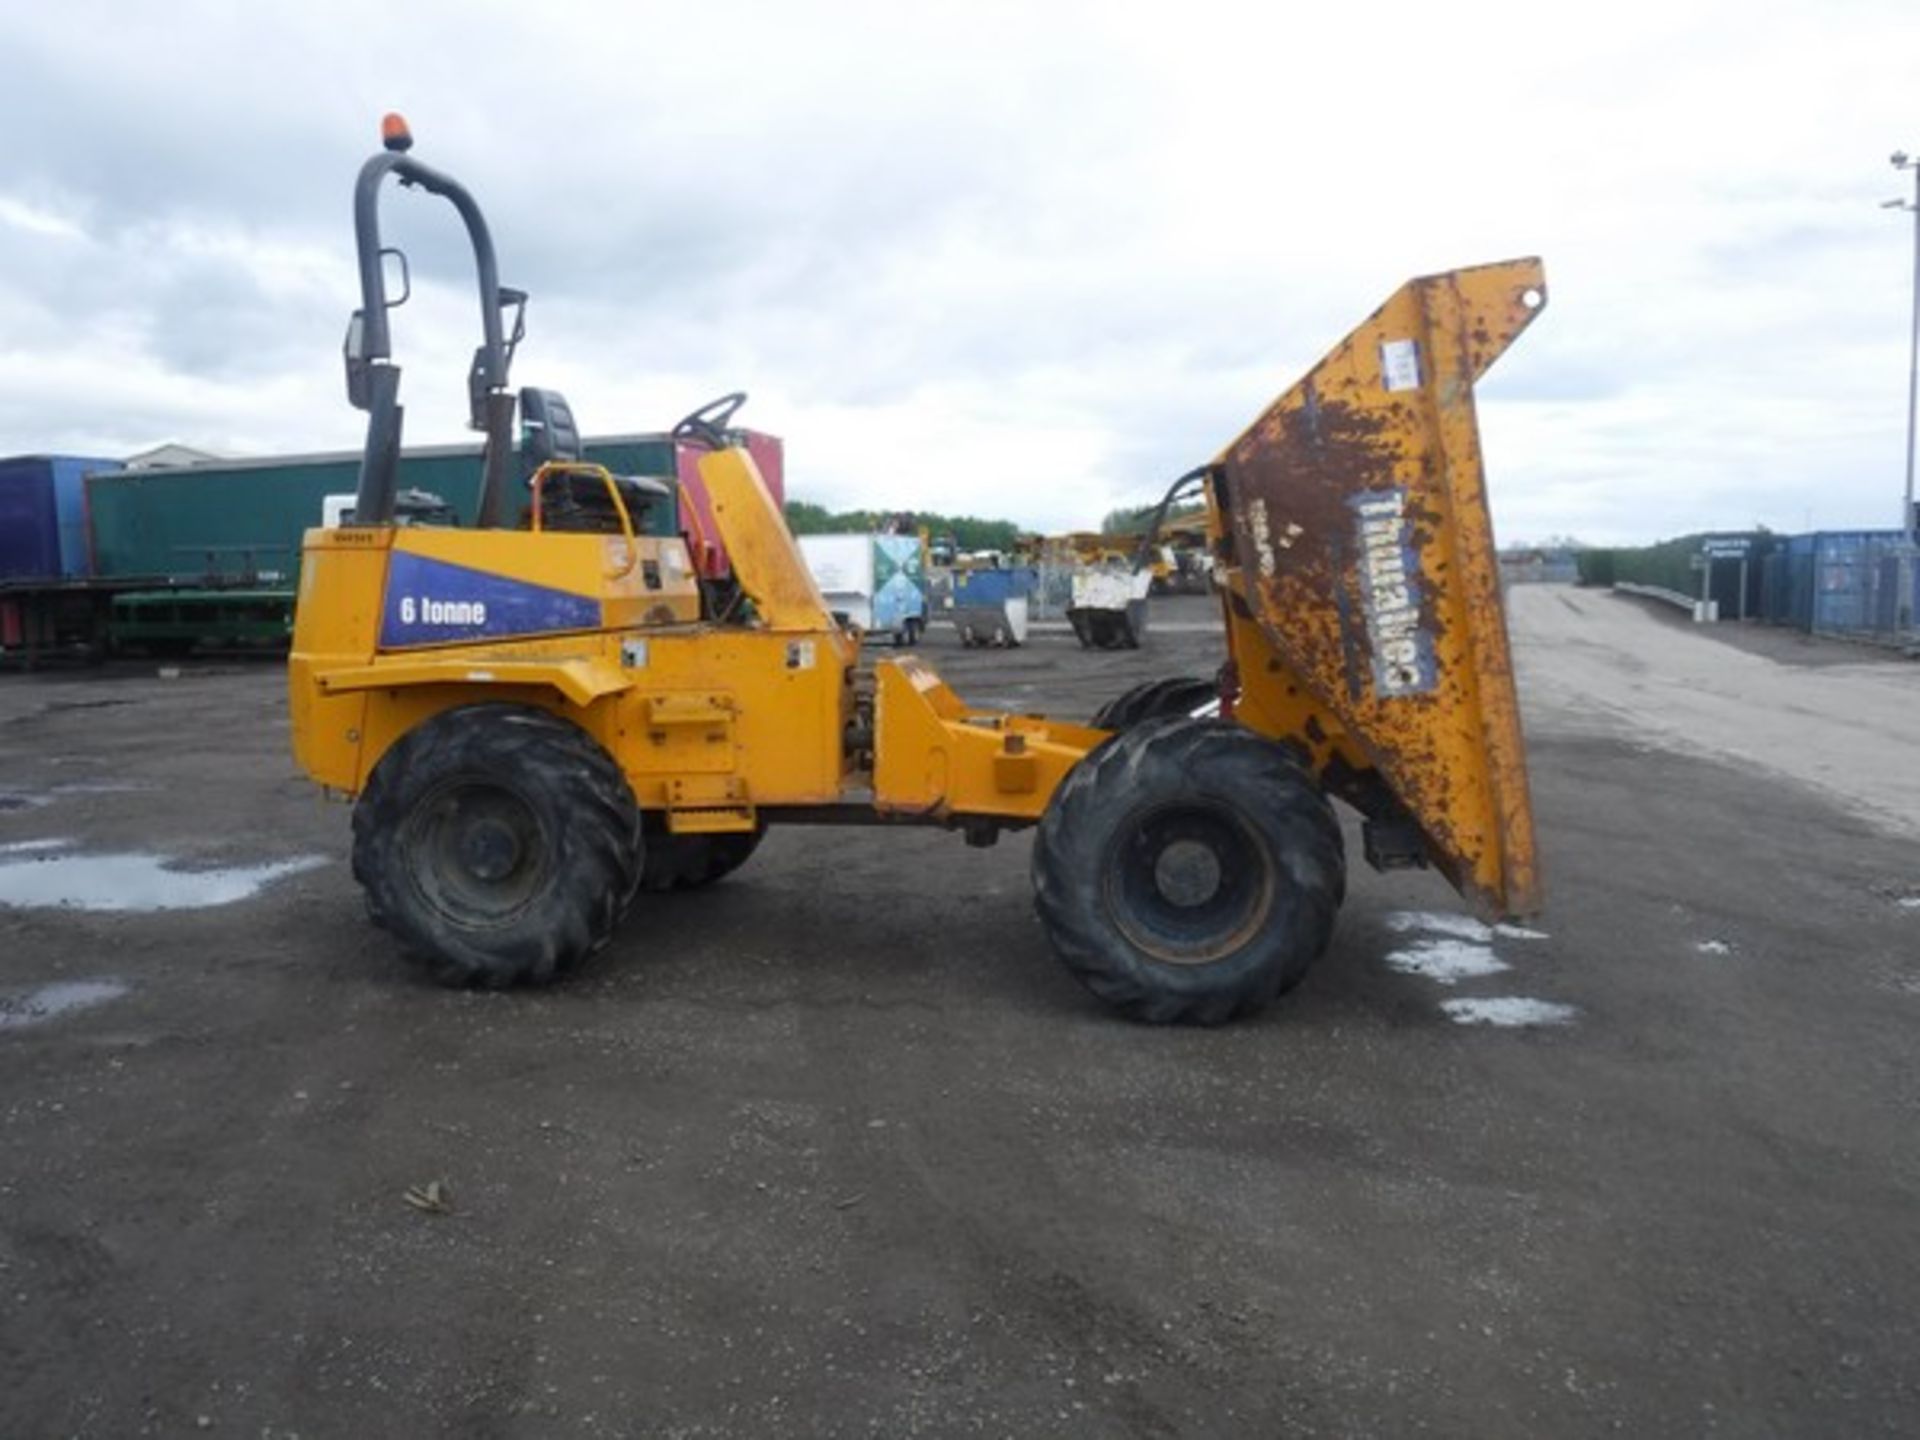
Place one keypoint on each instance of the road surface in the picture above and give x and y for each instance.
(839, 1148)
(1593, 663)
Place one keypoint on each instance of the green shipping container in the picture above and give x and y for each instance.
(242, 520)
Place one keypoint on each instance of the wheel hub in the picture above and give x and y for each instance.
(477, 850)
(1187, 874)
(489, 849)
(1187, 883)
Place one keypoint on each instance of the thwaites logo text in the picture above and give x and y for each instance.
(1389, 569)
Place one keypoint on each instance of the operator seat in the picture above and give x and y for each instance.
(547, 431)
(548, 434)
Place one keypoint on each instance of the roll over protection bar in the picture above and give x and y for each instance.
(373, 380)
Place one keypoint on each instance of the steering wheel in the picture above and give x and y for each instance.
(708, 424)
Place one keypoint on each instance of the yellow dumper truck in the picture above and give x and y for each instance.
(548, 715)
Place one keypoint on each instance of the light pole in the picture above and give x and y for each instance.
(1903, 598)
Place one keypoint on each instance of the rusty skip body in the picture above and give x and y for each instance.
(1362, 592)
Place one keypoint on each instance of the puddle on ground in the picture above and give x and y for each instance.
(38, 877)
(1447, 962)
(49, 1002)
(61, 707)
(1520, 932)
(1460, 927)
(39, 800)
(1439, 922)
(1712, 947)
(25, 847)
(1448, 948)
(1508, 1011)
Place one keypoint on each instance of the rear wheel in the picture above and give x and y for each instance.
(1189, 871)
(1156, 699)
(686, 862)
(498, 843)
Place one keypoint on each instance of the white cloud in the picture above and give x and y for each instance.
(1005, 258)
(22, 215)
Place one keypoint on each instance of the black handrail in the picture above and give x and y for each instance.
(373, 380)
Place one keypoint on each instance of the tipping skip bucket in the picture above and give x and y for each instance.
(1357, 510)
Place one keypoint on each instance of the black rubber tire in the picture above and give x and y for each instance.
(538, 785)
(1177, 695)
(1243, 806)
(687, 862)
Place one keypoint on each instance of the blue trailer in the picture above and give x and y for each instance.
(43, 516)
(49, 601)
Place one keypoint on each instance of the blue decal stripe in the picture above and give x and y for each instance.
(434, 602)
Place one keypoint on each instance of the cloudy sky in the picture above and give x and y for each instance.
(1024, 259)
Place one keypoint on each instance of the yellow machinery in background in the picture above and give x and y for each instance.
(1131, 550)
(546, 715)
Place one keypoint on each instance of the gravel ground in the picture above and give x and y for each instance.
(838, 1148)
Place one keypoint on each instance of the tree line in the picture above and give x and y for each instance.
(969, 532)
(1133, 520)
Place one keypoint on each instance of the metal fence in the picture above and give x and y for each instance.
(1847, 583)
(1539, 570)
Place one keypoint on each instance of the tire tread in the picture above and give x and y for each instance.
(569, 779)
(1173, 758)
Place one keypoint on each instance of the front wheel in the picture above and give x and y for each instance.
(499, 843)
(1189, 871)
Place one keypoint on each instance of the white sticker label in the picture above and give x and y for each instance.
(800, 655)
(1400, 364)
(1262, 540)
(633, 654)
